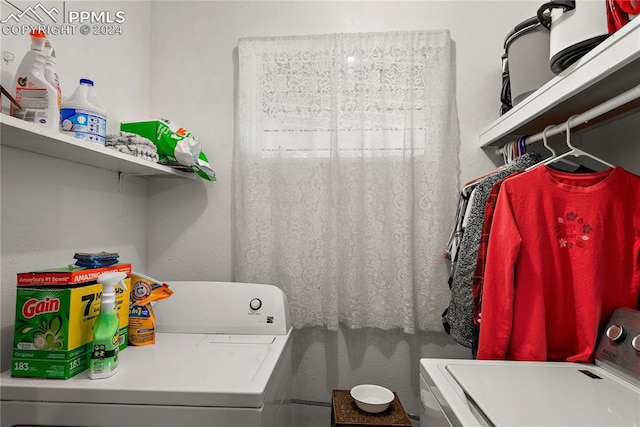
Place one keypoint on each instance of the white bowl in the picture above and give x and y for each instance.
(372, 398)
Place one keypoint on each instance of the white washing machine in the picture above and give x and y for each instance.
(457, 392)
(222, 358)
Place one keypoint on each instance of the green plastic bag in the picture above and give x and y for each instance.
(176, 145)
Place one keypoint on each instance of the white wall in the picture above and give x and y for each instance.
(53, 208)
(617, 144)
(193, 77)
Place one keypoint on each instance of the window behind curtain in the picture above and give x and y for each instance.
(345, 168)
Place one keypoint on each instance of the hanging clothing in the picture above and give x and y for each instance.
(564, 253)
(455, 237)
(458, 317)
(463, 210)
(478, 275)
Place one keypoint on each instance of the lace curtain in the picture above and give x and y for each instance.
(345, 175)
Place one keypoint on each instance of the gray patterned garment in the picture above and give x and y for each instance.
(459, 315)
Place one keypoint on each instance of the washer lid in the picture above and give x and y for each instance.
(514, 394)
(207, 370)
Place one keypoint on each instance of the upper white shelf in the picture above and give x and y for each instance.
(31, 137)
(606, 71)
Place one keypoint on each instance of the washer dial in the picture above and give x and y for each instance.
(616, 333)
(255, 304)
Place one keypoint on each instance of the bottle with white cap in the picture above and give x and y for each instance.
(103, 362)
(82, 115)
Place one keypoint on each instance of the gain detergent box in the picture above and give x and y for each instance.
(53, 328)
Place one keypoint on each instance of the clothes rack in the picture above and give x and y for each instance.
(598, 110)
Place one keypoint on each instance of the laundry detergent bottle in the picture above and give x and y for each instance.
(106, 330)
(83, 116)
(37, 97)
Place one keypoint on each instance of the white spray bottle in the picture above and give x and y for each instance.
(106, 330)
(37, 97)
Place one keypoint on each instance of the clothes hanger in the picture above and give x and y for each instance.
(574, 151)
(547, 146)
(553, 152)
(512, 150)
(507, 153)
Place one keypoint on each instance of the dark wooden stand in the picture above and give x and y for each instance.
(345, 413)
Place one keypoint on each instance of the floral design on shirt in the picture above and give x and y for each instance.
(571, 231)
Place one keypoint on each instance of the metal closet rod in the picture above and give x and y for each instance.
(598, 110)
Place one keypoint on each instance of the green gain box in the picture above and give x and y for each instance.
(53, 329)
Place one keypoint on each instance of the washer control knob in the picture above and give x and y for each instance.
(255, 304)
(616, 333)
(635, 342)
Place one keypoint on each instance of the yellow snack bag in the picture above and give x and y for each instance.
(144, 291)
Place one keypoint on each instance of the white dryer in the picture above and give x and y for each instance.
(222, 358)
(458, 392)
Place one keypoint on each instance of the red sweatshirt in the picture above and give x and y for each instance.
(563, 254)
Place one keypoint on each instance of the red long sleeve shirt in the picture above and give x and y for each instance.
(563, 254)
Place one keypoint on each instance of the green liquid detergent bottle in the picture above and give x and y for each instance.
(106, 330)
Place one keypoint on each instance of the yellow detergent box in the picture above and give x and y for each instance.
(53, 328)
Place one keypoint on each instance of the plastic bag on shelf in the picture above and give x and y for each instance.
(176, 145)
